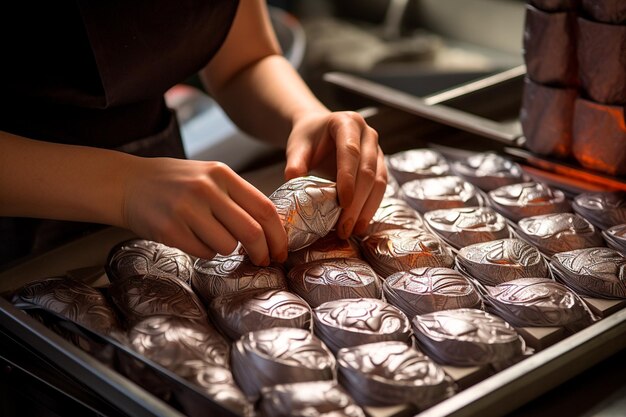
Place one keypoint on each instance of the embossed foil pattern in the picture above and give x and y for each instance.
(141, 257)
(467, 337)
(392, 373)
(502, 260)
(224, 275)
(439, 193)
(604, 209)
(279, 356)
(391, 251)
(527, 199)
(465, 226)
(329, 246)
(392, 188)
(595, 272)
(394, 213)
(559, 232)
(615, 236)
(536, 302)
(488, 171)
(353, 322)
(247, 311)
(332, 279)
(308, 208)
(417, 163)
(424, 290)
(308, 399)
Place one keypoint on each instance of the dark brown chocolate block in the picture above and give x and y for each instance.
(416, 164)
(607, 11)
(603, 209)
(141, 256)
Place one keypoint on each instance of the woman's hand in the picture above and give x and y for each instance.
(202, 208)
(345, 141)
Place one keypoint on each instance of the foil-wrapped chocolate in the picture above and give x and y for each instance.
(247, 311)
(228, 274)
(392, 373)
(352, 322)
(391, 251)
(141, 257)
(527, 199)
(424, 290)
(334, 279)
(488, 171)
(616, 238)
(329, 246)
(308, 208)
(465, 226)
(394, 213)
(440, 193)
(603, 209)
(264, 358)
(140, 297)
(392, 188)
(308, 399)
(417, 163)
(594, 272)
(537, 302)
(467, 337)
(503, 260)
(559, 232)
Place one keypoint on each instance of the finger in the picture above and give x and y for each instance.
(298, 155)
(346, 131)
(376, 195)
(210, 231)
(186, 240)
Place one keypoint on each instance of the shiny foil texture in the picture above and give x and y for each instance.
(394, 213)
(440, 193)
(616, 238)
(425, 290)
(308, 208)
(392, 189)
(391, 251)
(527, 199)
(594, 272)
(279, 356)
(465, 226)
(493, 263)
(224, 275)
(603, 209)
(238, 313)
(537, 302)
(141, 257)
(308, 399)
(329, 246)
(392, 373)
(416, 164)
(467, 337)
(559, 232)
(333, 279)
(488, 171)
(353, 322)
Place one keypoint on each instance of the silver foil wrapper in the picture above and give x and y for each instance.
(327, 247)
(603, 209)
(353, 322)
(141, 257)
(392, 188)
(416, 164)
(537, 302)
(308, 399)
(425, 290)
(616, 237)
(334, 279)
(391, 251)
(527, 199)
(238, 313)
(440, 193)
(499, 261)
(140, 297)
(233, 273)
(279, 356)
(392, 373)
(465, 226)
(308, 208)
(488, 171)
(394, 213)
(594, 272)
(468, 337)
(559, 232)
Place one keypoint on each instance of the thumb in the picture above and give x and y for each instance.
(298, 155)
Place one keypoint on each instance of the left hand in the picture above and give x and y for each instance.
(345, 140)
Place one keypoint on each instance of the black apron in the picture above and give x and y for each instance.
(93, 72)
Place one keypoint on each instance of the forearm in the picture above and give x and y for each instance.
(63, 182)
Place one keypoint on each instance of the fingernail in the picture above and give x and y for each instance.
(347, 228)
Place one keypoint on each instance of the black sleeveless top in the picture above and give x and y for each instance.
(93, 72)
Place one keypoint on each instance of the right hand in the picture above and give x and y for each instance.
(202, 208)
